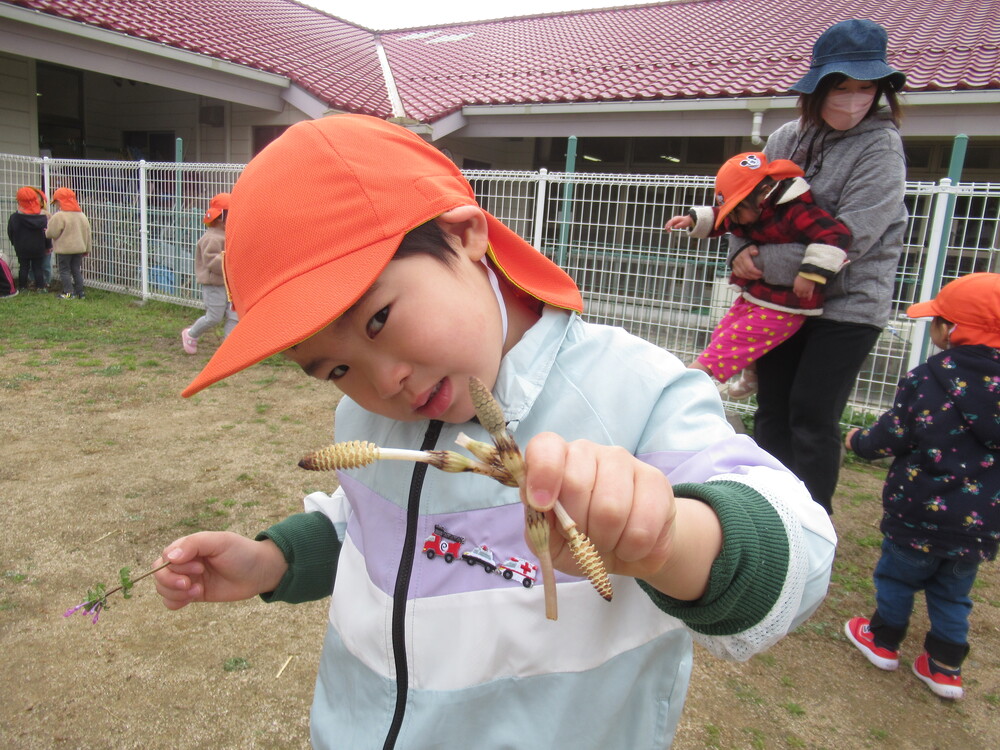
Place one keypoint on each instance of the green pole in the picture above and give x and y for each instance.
(566, 215)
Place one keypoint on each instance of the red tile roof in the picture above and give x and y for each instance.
(673, 50)
(332, 59)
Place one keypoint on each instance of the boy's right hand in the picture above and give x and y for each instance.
(679, 222)
(217, 566)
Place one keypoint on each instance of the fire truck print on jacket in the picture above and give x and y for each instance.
(451, 547)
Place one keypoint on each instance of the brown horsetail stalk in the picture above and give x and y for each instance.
(582, 549)
(502, 462)
(357, 453)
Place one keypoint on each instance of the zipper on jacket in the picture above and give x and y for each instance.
(403, 573)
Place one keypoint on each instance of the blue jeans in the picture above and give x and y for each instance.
(902, 572)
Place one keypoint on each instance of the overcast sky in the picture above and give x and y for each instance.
(398, 14)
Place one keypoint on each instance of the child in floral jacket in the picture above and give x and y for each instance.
(941, 498)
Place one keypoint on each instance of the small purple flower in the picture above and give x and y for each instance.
(74, 610)
(89, 607)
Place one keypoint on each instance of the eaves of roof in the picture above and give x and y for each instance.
(681, 51)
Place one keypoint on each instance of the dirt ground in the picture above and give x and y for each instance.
(102, 467)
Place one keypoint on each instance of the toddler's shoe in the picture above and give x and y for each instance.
(858, 631)
(745, 387)
(189, 342)
(946, 683)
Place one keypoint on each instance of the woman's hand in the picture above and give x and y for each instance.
(743, 265)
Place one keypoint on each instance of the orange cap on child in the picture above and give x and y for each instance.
(738, 176)
(218, 204)
(294, 265)
(972, 303)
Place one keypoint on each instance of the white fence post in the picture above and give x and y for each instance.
(143, 233)
(46, 177)
(540, 195)
(937, 243)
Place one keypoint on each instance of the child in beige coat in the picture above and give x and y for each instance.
(69, 230)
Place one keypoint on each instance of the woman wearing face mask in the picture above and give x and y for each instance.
(847, 142)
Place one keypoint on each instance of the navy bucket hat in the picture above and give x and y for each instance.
(855, 48)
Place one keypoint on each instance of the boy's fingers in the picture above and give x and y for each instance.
(545, 462)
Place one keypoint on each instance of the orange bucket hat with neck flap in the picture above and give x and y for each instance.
(739, 175)
(293, 266)
(972, 304)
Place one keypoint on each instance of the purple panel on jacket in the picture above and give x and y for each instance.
(377, 528)
(733, 455)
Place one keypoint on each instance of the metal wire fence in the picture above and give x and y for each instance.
(605, 230)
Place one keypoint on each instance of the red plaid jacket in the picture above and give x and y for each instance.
(797, 220)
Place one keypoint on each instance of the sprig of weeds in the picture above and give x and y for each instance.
(97, 597)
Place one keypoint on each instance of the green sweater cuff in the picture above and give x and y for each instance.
(747, 578)
(311, 547)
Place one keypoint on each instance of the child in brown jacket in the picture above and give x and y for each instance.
(69, 230)
(208, 272)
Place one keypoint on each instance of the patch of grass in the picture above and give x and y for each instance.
(758, 741)
(794, 709)
(878, 734)
(873, 541)
(235, 664)
(15, 577)
(110, 322)
(13, 383)
(713, 736)
(848, 576)
(745, 693)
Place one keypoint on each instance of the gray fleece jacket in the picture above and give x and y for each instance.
(858, 175)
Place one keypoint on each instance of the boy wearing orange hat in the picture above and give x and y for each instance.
(398, 288)
(941, 498)
(26, 232)
(763, 202)
(70, 231)
(208, 273)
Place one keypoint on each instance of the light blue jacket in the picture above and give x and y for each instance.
(443, 655)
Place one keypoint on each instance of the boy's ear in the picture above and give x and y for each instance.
(466, 231)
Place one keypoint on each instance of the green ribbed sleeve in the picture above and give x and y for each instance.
(311, 546)
(747, 578)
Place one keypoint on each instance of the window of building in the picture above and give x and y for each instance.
(60, 111)
(264, 134)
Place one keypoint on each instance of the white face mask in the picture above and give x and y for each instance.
(842, 110)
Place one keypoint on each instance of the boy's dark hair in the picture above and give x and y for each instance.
(427, 239)
(811, 105)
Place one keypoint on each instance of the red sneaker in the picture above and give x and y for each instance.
(946, 683)
(857, 629)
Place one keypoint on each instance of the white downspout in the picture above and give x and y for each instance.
(758, 120)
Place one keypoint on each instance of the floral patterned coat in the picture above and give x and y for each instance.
(942, 492)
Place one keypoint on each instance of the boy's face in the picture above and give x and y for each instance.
(407, 348)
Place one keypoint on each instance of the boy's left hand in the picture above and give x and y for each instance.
(848, 436)
(628, 510)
